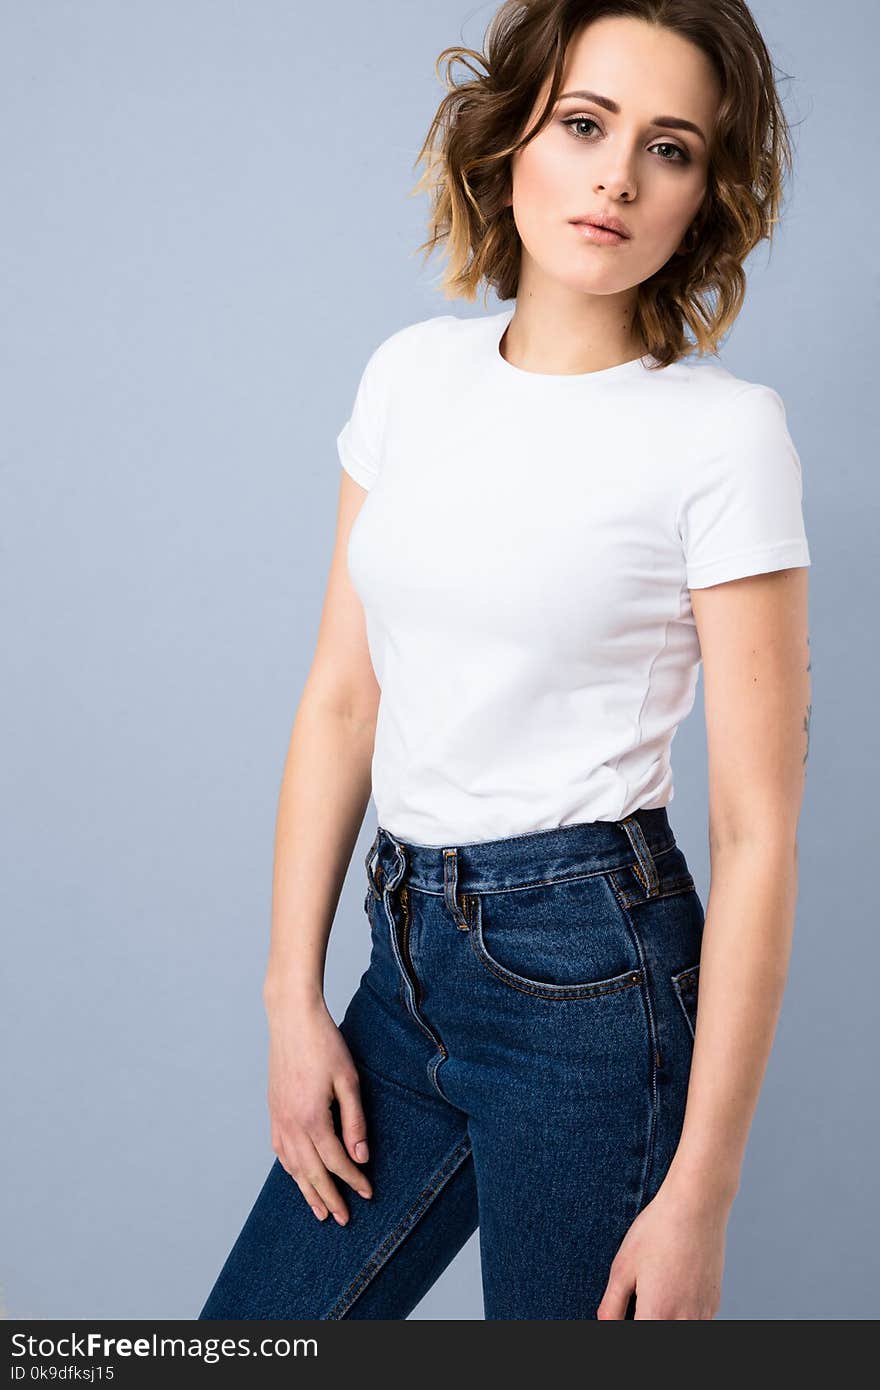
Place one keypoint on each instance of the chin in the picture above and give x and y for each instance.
(599, 283)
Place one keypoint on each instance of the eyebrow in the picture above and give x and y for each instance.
(670, 122)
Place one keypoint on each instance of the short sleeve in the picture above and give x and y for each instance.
(359, 441)
(741, 511)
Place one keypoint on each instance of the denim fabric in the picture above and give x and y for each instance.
(523, 1035)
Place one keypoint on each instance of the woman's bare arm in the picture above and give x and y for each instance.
(325, 786)
(755, 647)
(756, 657)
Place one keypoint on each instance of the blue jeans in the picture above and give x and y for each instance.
(523, 1036)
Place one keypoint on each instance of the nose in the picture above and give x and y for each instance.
(618, 179)
(622, 189)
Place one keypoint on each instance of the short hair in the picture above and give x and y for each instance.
(480, 123)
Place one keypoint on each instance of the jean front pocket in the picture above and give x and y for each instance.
(561, 940)
(686, 984)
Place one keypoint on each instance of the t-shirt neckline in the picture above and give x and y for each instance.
(636, 367)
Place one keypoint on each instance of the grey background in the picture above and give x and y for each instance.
(206, 228)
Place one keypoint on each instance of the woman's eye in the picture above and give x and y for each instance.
(678, 155)
(572, 121)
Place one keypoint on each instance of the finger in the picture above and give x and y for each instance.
(314, 1171)
(327, 1190)
(352, 1118)
(334, 1157)
(302, 1161)
(313, 1199)
(616, 1296)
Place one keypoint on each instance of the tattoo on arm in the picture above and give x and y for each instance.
(807, 715)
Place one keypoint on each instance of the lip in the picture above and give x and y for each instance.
(605, 231)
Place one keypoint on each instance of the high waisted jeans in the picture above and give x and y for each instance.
(523, 1036)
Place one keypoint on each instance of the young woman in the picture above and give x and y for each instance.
(548, 517)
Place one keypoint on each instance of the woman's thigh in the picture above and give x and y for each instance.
(570, 1033)
(287, 1264)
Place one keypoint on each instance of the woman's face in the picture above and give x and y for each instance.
(634, 162)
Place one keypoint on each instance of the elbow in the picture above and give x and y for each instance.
(773, 838)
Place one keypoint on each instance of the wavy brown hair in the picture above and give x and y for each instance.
(480, 123)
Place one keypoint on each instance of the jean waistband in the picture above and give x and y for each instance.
(540, 856)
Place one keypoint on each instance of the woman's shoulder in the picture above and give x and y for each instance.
(422, 334)
(711, 387)
(420, 352)
(715, 411)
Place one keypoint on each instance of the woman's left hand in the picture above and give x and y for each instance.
(672, 1257)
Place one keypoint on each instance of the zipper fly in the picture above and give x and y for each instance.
(404, 943)
(408, 961)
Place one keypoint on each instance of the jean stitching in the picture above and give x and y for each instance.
(652, 1042)
(379, 1257)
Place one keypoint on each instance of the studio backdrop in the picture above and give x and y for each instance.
(207, 226)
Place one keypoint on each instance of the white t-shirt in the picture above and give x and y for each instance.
(524, 559)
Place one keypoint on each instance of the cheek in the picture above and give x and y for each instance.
(674, 203)
(544, 182)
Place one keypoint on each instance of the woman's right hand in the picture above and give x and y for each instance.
(310, 1065)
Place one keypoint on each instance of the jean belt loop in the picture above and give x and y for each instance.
(392, 877)
(644, 858)
(450, 887)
